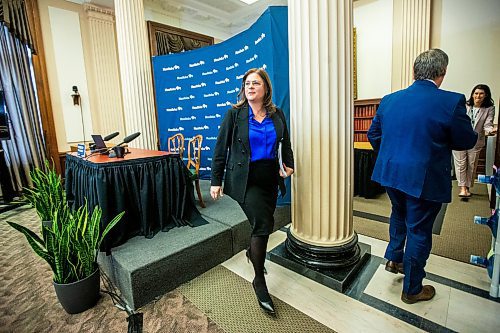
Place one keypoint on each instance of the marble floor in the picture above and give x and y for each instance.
(372, 303)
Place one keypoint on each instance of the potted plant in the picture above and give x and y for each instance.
(70, 243)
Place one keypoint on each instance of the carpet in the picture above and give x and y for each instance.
(28, 302)
(229, 301)
(459, 236)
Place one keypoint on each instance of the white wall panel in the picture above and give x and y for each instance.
(470, 33)
(70, 69)
(373, 23)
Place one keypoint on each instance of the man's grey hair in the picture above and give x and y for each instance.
(430, 65)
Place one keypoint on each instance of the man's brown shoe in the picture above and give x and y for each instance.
(426, 294)
(394, 267)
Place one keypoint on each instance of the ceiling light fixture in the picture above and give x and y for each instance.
(249, 2)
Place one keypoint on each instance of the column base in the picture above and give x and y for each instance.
(322, 257)
(335, 278)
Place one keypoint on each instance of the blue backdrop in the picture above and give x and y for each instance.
(195, 89)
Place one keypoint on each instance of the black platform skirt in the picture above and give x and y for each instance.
(261, 196)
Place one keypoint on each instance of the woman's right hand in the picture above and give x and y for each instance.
(216, 192)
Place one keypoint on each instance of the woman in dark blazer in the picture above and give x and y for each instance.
(481, 111)
(247, 147)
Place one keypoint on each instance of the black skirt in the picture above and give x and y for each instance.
(261, 196)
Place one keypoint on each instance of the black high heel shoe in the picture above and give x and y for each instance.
(264, 300)
(247, 253)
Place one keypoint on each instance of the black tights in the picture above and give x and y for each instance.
(258, 245)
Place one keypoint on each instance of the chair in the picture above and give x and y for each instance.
(193, 164)
(176, 144)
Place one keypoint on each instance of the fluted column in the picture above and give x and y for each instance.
(108, 108)
(321, 113)
(411, 36)
(135, 70)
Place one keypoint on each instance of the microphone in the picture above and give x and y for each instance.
(129, 138)
(119, 151)
(110, 136)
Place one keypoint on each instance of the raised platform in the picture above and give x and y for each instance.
(144, 269)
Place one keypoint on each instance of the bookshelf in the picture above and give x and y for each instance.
(364, 111)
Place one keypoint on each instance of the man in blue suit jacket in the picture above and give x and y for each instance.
(414, 132)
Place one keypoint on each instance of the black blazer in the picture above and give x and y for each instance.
(232, 152)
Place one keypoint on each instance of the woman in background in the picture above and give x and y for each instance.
(481, 111)
(247, 147)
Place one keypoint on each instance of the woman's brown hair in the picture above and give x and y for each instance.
(268, 97)
(487, 101)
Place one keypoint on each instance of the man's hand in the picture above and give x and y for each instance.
(216, 192)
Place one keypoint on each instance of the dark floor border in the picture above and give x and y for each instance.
(370, 216)
(462, 286)
(403, 315)
(436, 228)
(368, 271)
(357, 288)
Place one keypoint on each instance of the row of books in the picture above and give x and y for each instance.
(360, 137)
(364, 111)
(362, 124)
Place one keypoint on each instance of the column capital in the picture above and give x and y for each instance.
(99, 13)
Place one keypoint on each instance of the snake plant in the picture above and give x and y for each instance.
(70, 243)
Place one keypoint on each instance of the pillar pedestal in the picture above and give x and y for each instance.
(338, 278)
(322, 257)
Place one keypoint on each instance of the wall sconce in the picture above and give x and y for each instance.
(76, 96)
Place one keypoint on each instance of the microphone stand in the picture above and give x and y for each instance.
(77, 100)
(100, 151)
(83, 123)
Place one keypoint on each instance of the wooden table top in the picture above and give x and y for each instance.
(362, 145)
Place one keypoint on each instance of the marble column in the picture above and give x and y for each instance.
(411, 36)
(108, 109)
(135, 70)
(321, 115)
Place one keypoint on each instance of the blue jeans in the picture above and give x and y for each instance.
(411, 222)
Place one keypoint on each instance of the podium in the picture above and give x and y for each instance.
(152, 187)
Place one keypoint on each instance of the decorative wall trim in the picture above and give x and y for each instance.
(97, 12)
(165, 39)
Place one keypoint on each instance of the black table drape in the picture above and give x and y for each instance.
(364, 162)
(155, 193)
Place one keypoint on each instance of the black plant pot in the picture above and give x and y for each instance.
(81, 295)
